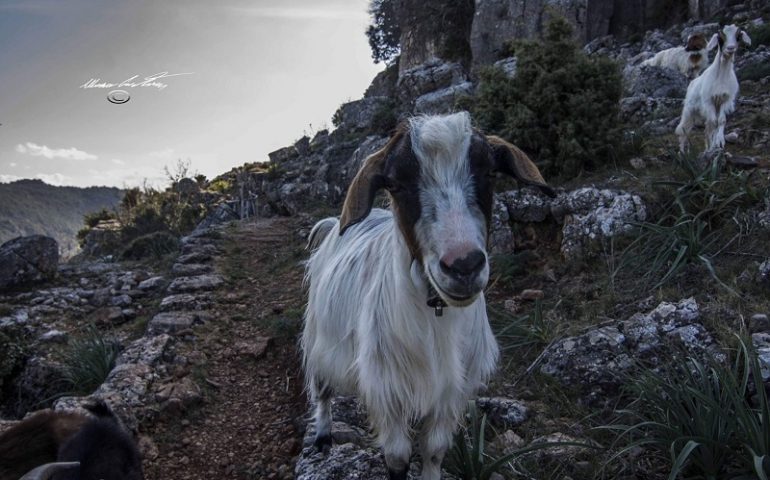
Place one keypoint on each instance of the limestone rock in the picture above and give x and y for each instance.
(173, 322)
(196, 283)
(590, 215)
(503, 412)
(153, 283)
(186, 301)
(191, 269)
(655, 82)
(597, 360)
(27, 260)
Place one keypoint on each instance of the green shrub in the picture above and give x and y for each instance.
(755, 72)
(470, 459)
(561, 106)
(700, 417)
(153, 245)
(88, 361)
(760, 35)
(14, 349)
(220, 185)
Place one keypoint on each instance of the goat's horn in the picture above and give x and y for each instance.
(45, 472)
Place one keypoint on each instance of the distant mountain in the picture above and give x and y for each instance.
(33, 207)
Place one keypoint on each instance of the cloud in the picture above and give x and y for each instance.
(162, 154)
(12, 164)
(36, 150)
(56, 179)
(117, 161)
(301, 13)
(9, 178)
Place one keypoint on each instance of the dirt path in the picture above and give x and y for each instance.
(246, 362)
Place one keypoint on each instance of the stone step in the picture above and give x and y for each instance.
(174, 322)
(196, 283)
(189, 269)
(185, 301)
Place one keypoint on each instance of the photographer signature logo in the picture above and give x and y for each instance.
(118, 95)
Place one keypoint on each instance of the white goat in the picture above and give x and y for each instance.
(711, 96)
(378, 282)
(690, 60)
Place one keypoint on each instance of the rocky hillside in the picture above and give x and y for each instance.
(30, 207)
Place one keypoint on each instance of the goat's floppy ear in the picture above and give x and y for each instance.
(512, 161)
(713, 42)
(360, 197)
(744, 37)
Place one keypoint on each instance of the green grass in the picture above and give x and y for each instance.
(469, 458)
(88, 361)
(698, 219)
(700, 417)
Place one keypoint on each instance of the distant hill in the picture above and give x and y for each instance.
(33, 207)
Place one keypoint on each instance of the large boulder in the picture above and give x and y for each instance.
(590, 215)
(654, 82)
(601, 360)
(428, 77)
(26, 260)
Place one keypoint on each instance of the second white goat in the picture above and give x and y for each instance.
(711, 96)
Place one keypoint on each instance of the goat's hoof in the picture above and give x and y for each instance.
(398, 474)
(323, 443)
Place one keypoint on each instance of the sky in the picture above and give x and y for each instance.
(243, 78)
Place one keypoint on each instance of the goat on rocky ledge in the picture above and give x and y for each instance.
(396, 311)
(689, 60)
(711, 96)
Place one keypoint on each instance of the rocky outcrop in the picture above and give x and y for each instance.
(590, 215)
(27, 260)
(601, 360)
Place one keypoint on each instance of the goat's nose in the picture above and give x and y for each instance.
(469, 265)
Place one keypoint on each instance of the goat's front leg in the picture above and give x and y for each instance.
(435, 438)
(397, 447)
(322, 396)
(683, 131)
(719, 135)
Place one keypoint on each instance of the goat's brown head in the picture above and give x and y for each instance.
(439, 173)
(696, 42)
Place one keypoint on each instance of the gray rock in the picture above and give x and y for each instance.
(223, 213)
(427, 78)
(186, 301)
(107, 316)
(590, 215)
(442, 101)
(503, 412)
(764, 272)
(643, 109)
(153, 283)
(500, 234)
(189, 269)
(40, 380)
(761, 342)
(655, 82)
(598, 361)
(27, 260)
(195, 257)
(177, 397)
(526, 205)
(759, 322)
(173, 322)
(149, 350)
(508, 66)
(54, 336)
(121, 301)
(343, 462)
(195, 283)
(357, 116)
